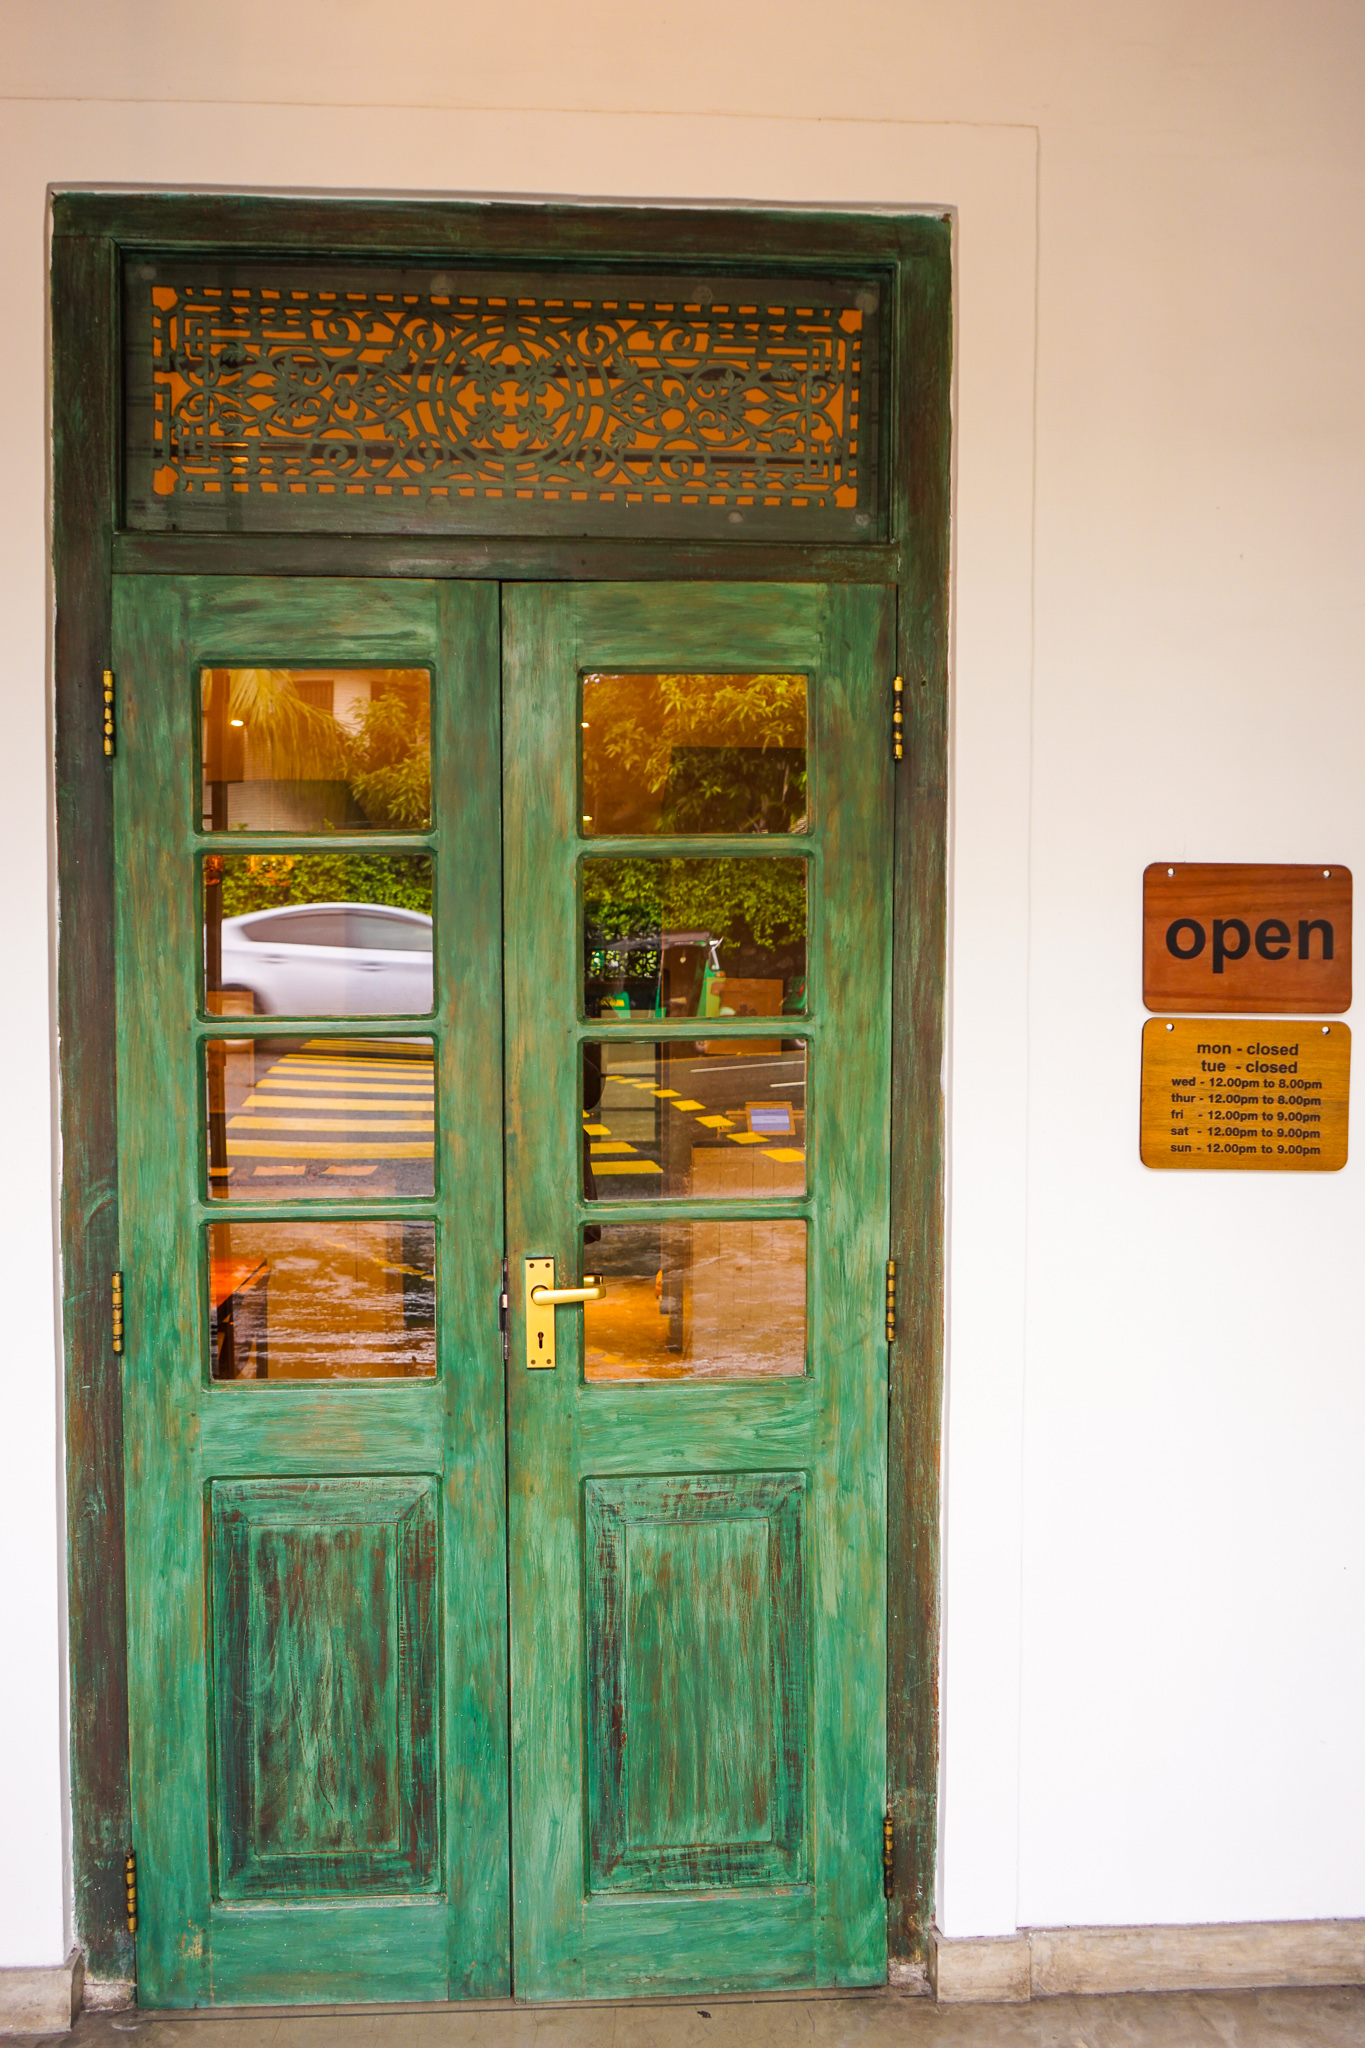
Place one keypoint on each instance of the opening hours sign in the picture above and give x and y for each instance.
(1224, 1093)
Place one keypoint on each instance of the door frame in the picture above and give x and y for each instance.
(91, 231)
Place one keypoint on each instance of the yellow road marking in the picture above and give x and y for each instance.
(351, 1049)
(785, 1154)
(319, 1123)
(715, 1123)
(275, 1100)
(598, 1130)
(627, 1166)
(281, 1169)
(283, 1149)
(419, 1047)
(354, 1172)
(293, 1079)
(746, 1137)
(359, 1076)
(385, 1064)
(689, 1105)
(664, 1091)
(615, 1145)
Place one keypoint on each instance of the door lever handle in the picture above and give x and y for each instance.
(541, 1298)
(593, 1288)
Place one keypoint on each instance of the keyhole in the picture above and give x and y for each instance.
(540, 1339)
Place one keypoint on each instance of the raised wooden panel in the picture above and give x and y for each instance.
(696, 1626)
(325, 1676)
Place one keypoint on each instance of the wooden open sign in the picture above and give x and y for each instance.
(1237, 936)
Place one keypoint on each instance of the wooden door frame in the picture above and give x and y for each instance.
(91, 232)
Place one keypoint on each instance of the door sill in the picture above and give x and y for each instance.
(809, 1996)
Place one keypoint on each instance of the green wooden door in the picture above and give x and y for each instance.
(322, 1134)
(311, 1218)
(696, 793)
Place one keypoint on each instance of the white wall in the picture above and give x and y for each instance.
(1153, 1544)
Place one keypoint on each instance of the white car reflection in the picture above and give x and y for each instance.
(330, 959)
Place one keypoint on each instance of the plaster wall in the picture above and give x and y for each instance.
(1154, 1657)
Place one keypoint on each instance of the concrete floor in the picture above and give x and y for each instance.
(1244, 2019)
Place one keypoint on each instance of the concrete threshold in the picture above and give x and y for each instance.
(1332, 2018)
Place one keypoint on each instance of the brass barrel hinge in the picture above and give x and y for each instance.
(130, 1890)
(888, 1855)
(109, 711)
(891, 1301)
(116, 1310)
(898, 719)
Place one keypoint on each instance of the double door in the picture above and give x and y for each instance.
(478, 947)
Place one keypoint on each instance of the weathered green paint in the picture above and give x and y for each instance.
(344, 1635)
(703, 1457)
(921, 471)
(85, 379)
(741, 241)
(356, 1953)
(694, 1592)
(325, 1664)
(90, 230)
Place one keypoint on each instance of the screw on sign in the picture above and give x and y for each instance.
(1236, 936)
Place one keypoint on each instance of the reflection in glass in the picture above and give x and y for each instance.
(689, 753)
(694, 938)
(697, 1301)
(316, 750)
(725, 1117)
(322, 1301)
(317, 934)
(319, 1118)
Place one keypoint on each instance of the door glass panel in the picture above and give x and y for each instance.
(694, 753)
(694, 938)
(315, 750)
(726, 1117)
(321, 935)
(698, 1300)
(322, 1301)
(320, 1118)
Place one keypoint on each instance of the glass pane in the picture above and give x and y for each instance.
(317, 934)
(697, 1301)
(684, 753)
(694, 938)
(322, 1301)
(725, 1117)
(316, 749)
(292, 1119)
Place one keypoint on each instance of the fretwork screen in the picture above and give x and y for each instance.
(270, 398)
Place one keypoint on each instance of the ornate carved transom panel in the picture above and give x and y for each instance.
(269, 398)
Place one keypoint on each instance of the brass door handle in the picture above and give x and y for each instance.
(593, 1288)
(542, 1296)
